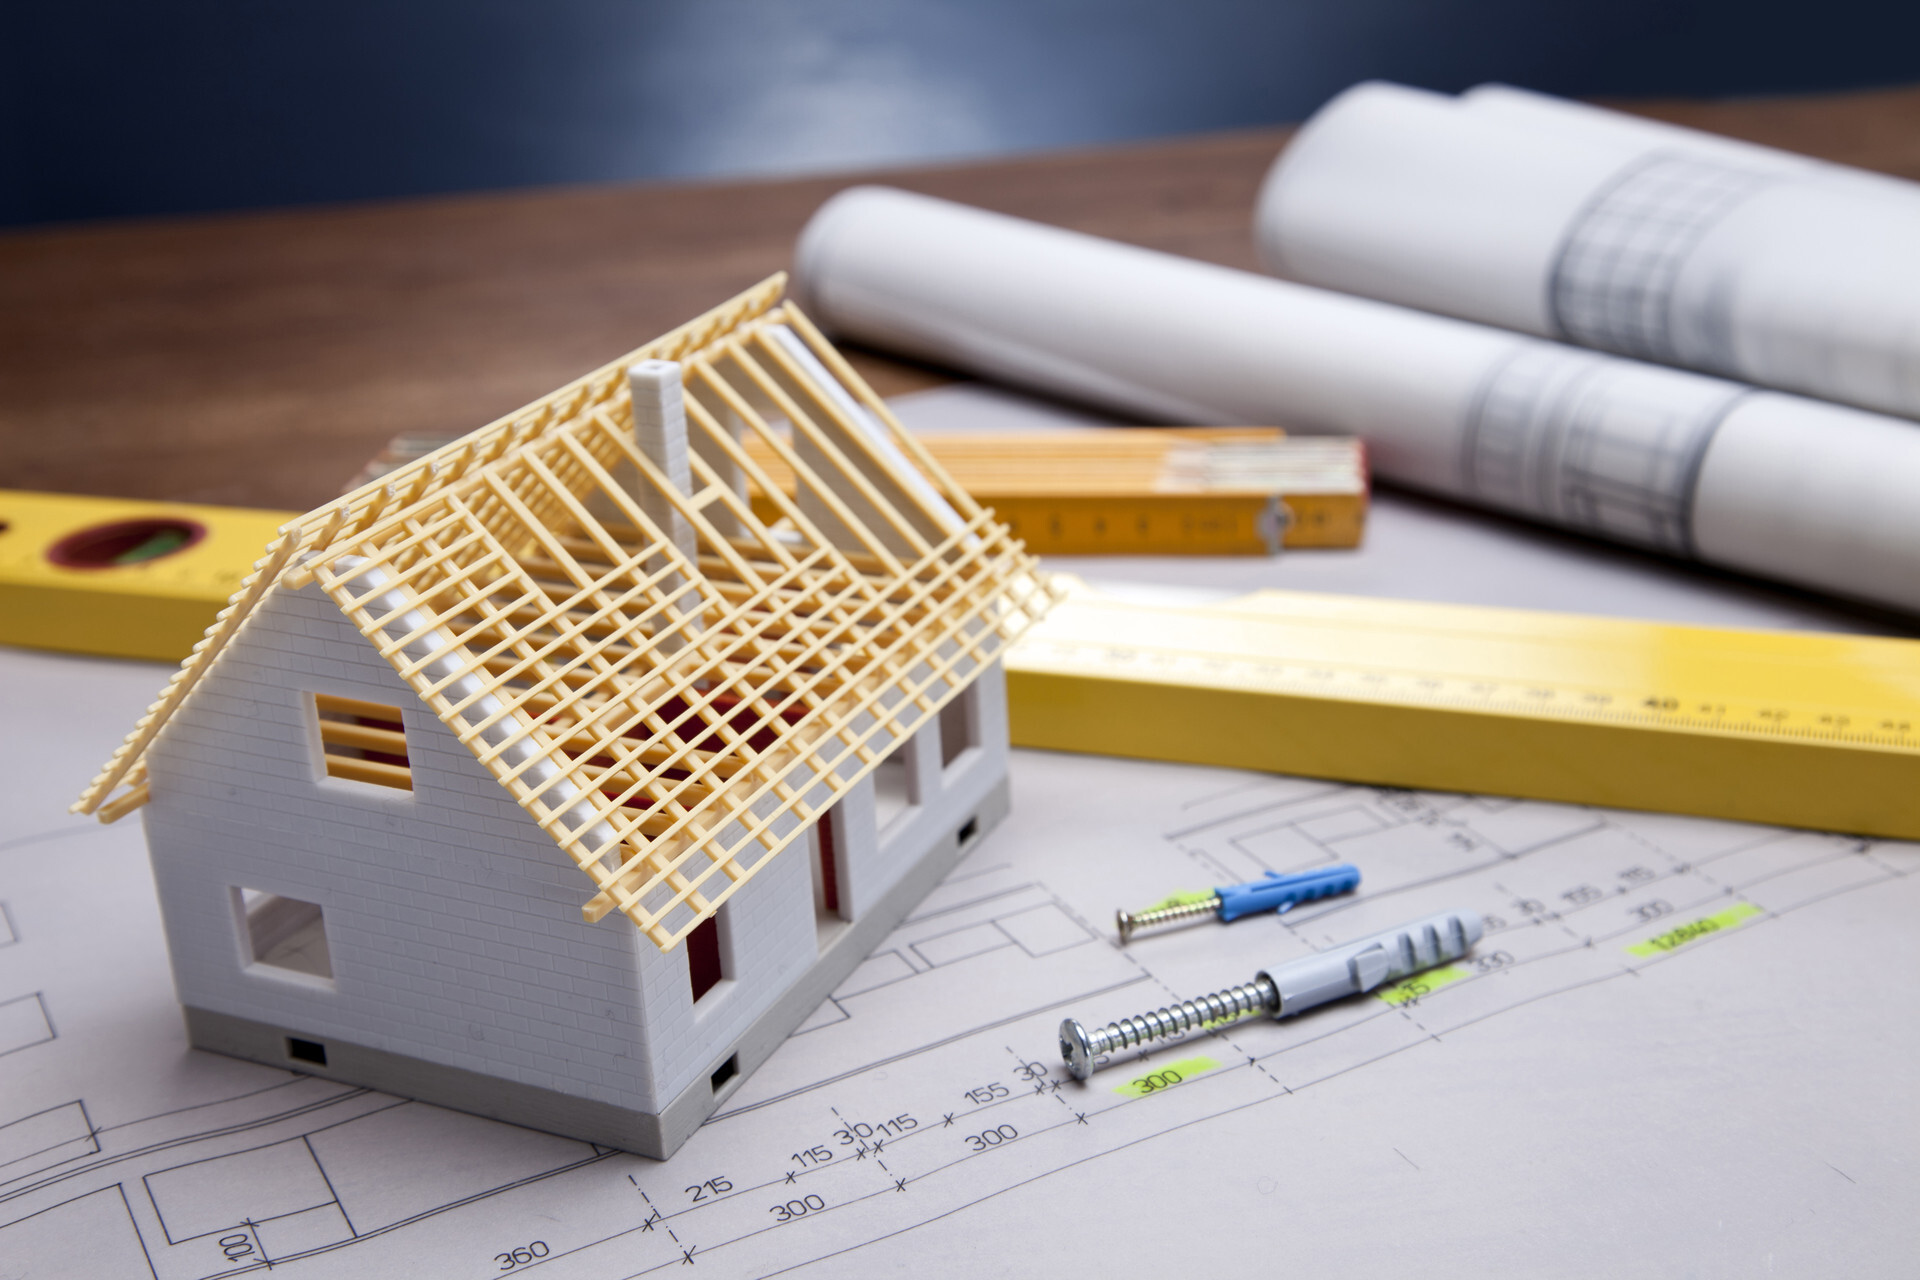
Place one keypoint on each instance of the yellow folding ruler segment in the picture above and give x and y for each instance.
(1154, 490)
(118, 576)
(1795, 728)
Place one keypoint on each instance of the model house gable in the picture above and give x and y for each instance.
(671, 687)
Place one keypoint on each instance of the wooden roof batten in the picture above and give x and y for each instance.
(669, 685)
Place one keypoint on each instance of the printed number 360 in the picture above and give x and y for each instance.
(522, 1256)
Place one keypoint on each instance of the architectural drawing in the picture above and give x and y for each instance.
(925, 1097)
(571, 629)
(1610, 230)
(1612, 285)
(24, 1023)
(1593, 444)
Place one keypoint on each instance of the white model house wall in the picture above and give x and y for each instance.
(916, 799)
(453, 923)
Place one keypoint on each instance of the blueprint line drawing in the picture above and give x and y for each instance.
(44, 1139)
(927, 1089)
(1613, 231)
(24, 1023)
(1612, 284)
(90, 1234)
(1593, 444)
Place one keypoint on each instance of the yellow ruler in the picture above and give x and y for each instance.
(1794, 728)
(117, 576)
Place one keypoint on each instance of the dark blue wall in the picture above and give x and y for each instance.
(110, 108)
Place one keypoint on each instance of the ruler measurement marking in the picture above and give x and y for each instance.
(1444, 692)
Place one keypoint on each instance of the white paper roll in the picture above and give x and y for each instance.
(1626, 235)
(1656, 457)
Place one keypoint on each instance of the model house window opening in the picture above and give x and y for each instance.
(706, 957)
(830, 900)
(893, 786)
(363, 742)
(312, 1051)
(825, 866)
(959, 726)
(279, 932)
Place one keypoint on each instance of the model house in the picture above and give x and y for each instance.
(544, 779)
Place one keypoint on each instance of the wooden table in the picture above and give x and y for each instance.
(258, 359)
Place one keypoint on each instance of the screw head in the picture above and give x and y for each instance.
(1123, 923)
(1076, 1049)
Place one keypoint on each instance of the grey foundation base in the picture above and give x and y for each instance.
(640, 1132)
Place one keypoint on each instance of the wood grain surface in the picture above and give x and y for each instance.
(259, 359)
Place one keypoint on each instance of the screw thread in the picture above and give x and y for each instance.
(1131, 922)
(1231, 1005)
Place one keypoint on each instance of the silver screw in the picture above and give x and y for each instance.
(1349, 970)
(1130, 922)
(1081, 1047)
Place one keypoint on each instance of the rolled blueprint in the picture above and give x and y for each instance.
(1596, 228)
(1694, 466)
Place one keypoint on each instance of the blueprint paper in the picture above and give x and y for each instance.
(1632, 236)
(1609, 1086)
(1698, 467)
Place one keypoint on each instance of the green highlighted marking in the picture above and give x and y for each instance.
(1673, 939)
(1165, 1077)
(1421, 984)
(1178, 900)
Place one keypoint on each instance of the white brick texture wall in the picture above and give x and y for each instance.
(453, 923)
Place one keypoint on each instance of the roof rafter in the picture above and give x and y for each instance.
(671, 713)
